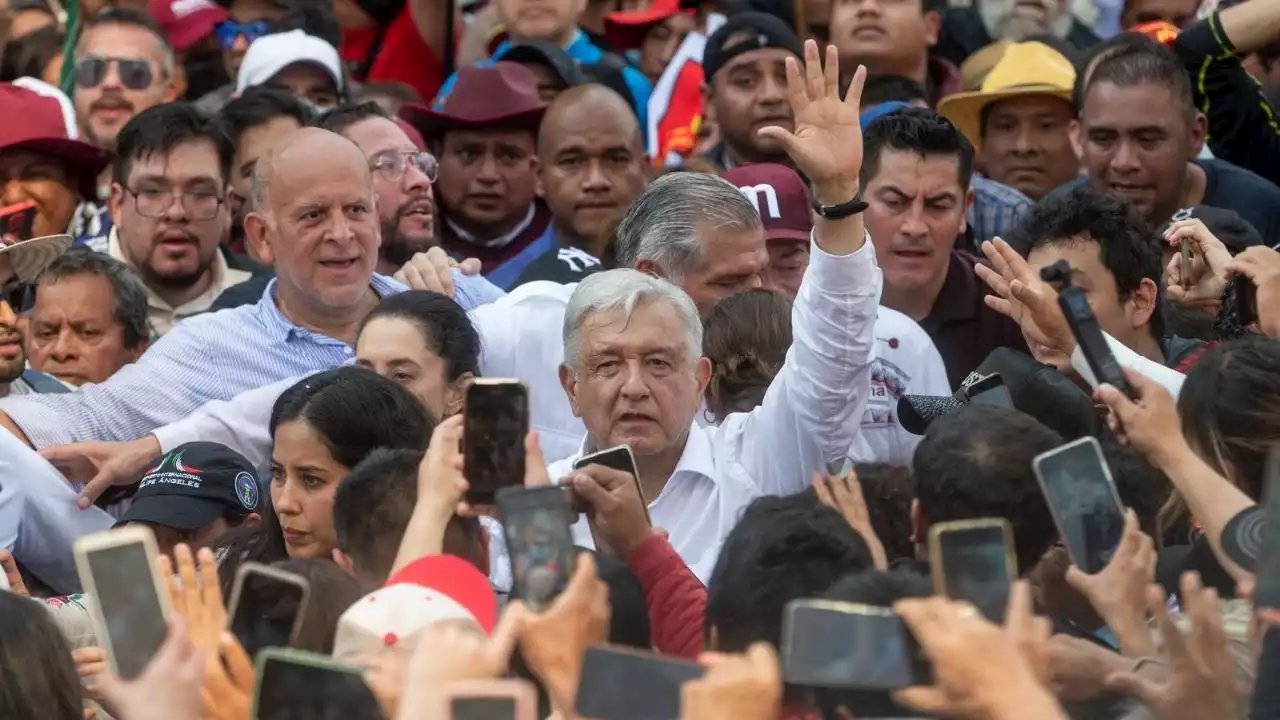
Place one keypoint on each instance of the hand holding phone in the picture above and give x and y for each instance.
(536, 524)
(830, 644)
(620, 683)
(1084, 326)
(1083, 500)
(267, 607)
(973, 560)
(128, 599)
(496, 421)
(296, 684)
(490, 700)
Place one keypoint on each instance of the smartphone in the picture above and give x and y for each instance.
(292, 684)
(973, 560)
(267, 607)
(831, 644)
(495, 425)
(1184, 250)
(18, 220)
(620, 683)
(536, 524)
(1088, 333)
(1267, 592)
(130, 603)
(618, 458)
(491, 700)
(1082, 498)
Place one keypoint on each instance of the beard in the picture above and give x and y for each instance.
(398, 248)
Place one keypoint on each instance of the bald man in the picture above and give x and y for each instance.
(592, 165)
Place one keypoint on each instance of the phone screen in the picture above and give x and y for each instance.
(483, 708)
(18, 220)
(536, 523)
(125, 591)
(838, 648)
(618, 458)
(975, 567)
(497, 420)
(631, 685)
(266, 612)
(293, 690)
(1267, 592)
(1082, 497)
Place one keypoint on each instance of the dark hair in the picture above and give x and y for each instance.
(1268, 54)
(888, 491)
(881, 89)
(1127, 244)
(130, 17)
(919, 131)
(976, 463)
(1144, 64)
(372, 507)
(40, 677)
(1141, 486)
(262, 543)
(258, 106)
(344, 116)
(332, 592)
(746, 337)
(30, 55)
(446, 329)
(129, 295)
(160, 129)
(1087, 63)
(783, 548)
(314, 18)
(396, 90)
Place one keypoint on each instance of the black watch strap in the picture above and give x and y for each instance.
(843, 210)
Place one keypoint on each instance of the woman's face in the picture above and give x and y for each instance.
(395, 348)
(28, 176)
(304, 478)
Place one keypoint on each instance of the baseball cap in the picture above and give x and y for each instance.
(626, 30)
(873, 114)
(193, 485)
(270, 54)
(779, 195)
(1227, 225)
(433, 589)
(550, 56)
(746, 32)
(186, 22)
(1243, 535)
(1025, 69)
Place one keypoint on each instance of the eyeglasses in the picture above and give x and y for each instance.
(228, 31)
(155, 202)
(134, 73)
(392, 165)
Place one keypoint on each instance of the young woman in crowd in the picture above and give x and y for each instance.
(746, 337)
(37, 675)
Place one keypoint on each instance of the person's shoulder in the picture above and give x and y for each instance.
(561, 265)
(1233, 179)
(895, 325)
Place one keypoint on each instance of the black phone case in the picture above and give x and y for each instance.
(1088, 333)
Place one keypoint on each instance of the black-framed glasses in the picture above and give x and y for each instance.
(135, 73)
(155, 202)
(392, 165)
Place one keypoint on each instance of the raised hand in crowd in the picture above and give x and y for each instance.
(441, 487)
(1209, 261)
(1262, 266)
(736, 687)
(844, 495)
(448, 653)
(1119, 591)
(1079, 668)
(1023, 297)
(9, 567)
(169, 688)
(615, 511)
(1202, 671)
(99, 466)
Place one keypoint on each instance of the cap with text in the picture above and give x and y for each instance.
(192, 486)
(779, 195)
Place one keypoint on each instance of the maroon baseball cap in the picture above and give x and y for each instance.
(779, 195)
(187, 22)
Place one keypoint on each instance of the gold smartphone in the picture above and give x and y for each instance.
(974, 561)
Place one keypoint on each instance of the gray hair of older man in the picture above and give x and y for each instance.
(624, 290)
(662, 224)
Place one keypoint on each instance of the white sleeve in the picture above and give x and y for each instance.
(1169, 378)
(241, 423)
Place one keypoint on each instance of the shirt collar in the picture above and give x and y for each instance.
(696, 459)
(959, 297)
(115, 250)
(500, 241)
(283, 328)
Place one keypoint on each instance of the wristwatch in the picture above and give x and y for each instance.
(843, 210)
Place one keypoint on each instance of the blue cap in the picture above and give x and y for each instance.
(879, 111)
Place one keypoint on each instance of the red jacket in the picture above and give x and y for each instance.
(673, 595)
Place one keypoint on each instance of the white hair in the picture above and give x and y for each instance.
(662, 224)
(625, 290)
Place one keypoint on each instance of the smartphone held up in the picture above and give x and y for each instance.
(1083, 500)
(496, 421)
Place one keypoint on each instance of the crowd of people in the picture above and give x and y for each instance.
(258, 254)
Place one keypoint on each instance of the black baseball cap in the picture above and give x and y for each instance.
(746, 32)
(192, 486)
(550, 56)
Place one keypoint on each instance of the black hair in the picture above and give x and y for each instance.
(888, 490)
(344, 116)
(332, 592)
(314, 18)
(1087, 63)
(1141, 486)
(1127, 244)
(881, 89)
(129, 17)
(129, 295)
(350, 407)
(39, 678)
(30, 55)
(262, 543)
(258, 106)
(402, 93)
(160, 129)
(919, 131)
(976, 463)
(1144, 64)
(629, 621)
(782, 549)
(1268, 54)
(446, 329)
(372, 507)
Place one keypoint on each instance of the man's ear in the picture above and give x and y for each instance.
(257, 233)
(713, 639)
(932, 27)
(649, 267)
(114, 202)
(708, 107)
(1199, 129)
(1077, 139)
(1144, 301)
(704, 375)
(569, 381)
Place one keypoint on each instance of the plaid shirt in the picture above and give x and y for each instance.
(996, 210)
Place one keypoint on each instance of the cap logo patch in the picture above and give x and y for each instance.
(753, 192)
(247, 490)
(172, 471)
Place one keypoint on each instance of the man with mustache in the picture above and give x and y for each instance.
(168, 204)
(969, 29)
(746, 87)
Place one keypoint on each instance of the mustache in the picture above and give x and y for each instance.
(111, 100)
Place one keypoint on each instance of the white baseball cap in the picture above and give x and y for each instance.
(270, 54)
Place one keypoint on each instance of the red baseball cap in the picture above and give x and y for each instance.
(40, 119)
(626, 30)
(779, 195)
(187, 22)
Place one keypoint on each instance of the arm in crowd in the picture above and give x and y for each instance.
(676, 601)
(1243, 127)
(1168, 378)
(241, 423)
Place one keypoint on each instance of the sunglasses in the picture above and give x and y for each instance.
(228, 31)
(134, 73)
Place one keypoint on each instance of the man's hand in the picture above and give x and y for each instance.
(1262, 266)
(1148, 422)
(736, 687)
(554, 642)
(1209, 261)
(433, 270)
(1080, 668)
(615, 511)
(9, 566)
(441, 485)
(844, 495)
(100, 465)
(195, 595)
(1119, 592)
(1024, 298)
(228, 682)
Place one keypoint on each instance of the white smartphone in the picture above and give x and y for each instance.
(129, 602)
